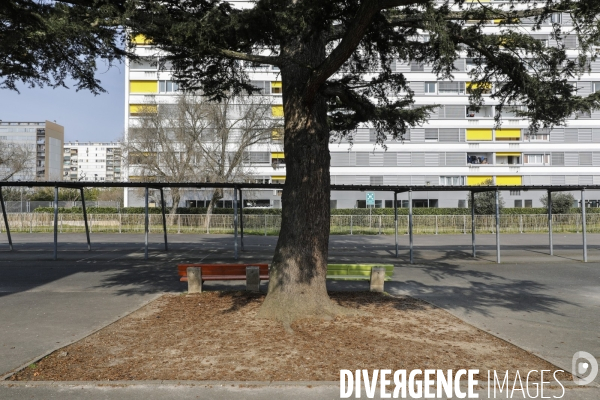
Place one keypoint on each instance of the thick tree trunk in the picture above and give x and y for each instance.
(298, 272)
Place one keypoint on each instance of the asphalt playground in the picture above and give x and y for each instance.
(549, 305)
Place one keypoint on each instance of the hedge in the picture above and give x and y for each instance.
(277, 211)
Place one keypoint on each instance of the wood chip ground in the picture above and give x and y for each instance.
(215, 336)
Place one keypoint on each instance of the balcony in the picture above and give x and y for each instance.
(479, 159)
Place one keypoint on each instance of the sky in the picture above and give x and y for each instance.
(85, 117)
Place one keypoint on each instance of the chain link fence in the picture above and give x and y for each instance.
(269, 224)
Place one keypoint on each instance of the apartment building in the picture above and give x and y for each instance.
(92, 161)
(457, 146)
(43, 141)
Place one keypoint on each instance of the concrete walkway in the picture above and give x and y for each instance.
(549, 305)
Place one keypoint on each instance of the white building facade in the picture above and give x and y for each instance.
(456, 146)
(92, 161)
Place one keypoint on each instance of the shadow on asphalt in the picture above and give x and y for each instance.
(126, 275)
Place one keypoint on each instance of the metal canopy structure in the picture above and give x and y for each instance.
(239, 187)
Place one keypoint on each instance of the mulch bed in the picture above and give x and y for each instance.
(214, 336)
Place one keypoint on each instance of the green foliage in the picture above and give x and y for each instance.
(485, 202)
(561, 202)
(47, 42)
(64, 194)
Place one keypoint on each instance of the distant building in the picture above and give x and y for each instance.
(44, 140)
(92, 162)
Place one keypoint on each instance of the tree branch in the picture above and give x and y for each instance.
(249, 57)
(353, 36)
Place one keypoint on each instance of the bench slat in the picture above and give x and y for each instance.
(222, 269)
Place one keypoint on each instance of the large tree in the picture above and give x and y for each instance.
(335, 59)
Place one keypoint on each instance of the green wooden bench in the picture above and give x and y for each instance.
(360, 272)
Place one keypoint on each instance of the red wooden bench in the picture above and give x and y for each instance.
(223, 272)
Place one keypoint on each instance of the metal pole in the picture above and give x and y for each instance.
(550, 222)
(5, 220)
(583, 225)
(235, 222)
(410, 225)
(497, 227)
(164, 221)
(473, 223)
(146, 224)
(55, 222)
(85, 220)
(396, 221)
(242, 220)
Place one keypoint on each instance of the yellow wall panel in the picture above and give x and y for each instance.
(508, 133)
(477, 180)
(277, 155)
(508, 180)
(475, 85)
(278, 178)
(479, 134)
(277, 111)
(143, 86)
(276, 84)
(507, 154)
(142, 108)
(140, 39)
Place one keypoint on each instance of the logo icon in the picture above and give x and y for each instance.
(584, 367)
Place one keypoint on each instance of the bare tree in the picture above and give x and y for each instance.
(198, 140)
(16, 160)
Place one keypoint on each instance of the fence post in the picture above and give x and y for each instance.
(178, 223)
(31, 223)
(521, 223)
(265, 224)
(380, 224)
(464, 224)
(120, 223)
(351, 224)
(436, 224)
(61, 222)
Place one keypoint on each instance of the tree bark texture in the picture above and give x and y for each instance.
(297, 284)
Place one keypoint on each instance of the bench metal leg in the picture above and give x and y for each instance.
(252, 279)
(194, 276)
(377, 279)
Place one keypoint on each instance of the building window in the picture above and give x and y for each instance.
(518, 203)
(416, 67)
(539, 136)
(528, 203)
(452, 180)
(596, 87)
(556, 18)
(430, 87)
(451, 88)
(536, 159)
(431, 135)
(276, 87)
(167, 86)
(515, 193)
